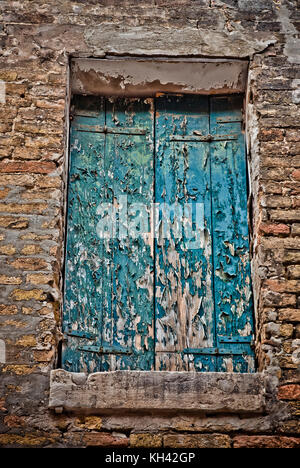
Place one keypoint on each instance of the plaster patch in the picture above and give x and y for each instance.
(246, 5)
(292, 45)
(296, 92)
(163, 41)
(2, 352)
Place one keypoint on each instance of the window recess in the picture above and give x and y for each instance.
(157, 273)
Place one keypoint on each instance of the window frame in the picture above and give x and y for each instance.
(71, 381)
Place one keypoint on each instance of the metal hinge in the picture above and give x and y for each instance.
(81, 334)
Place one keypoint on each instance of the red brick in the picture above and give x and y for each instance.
(33, 167)
(289, 392)
(271, 134)
(285, 286)
(275, 229)
(266, 442)
(2, 404)
(104, 439)
(296, 174)
(13, 420)
(197, 441)
(285, 215)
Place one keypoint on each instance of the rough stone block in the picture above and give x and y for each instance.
(145, 440)
(104, 439)
(172, 391)
(197, 441)
(266, 442)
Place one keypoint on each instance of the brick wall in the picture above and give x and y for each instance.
(36, 42)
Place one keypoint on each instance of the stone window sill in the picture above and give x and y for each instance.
(135, 391)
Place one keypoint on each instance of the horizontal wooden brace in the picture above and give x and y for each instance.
(105, 349)
(235, 339)
(111, 130)
(204, 138)
(84, 113)
(228, 119)
(235, 351)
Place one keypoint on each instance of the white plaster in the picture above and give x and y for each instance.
(2, 352)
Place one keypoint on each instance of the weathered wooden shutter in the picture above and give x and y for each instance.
(181, 301)
(108, 318)
(232, 275)
(204, 318)
(184, 290)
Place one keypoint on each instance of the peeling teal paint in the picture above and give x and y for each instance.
(108, 280)
(232, 279)
(156, 303)
(184, 294)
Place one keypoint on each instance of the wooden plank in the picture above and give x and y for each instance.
(232, 275)
(84, 264)
(128, 292)
(109, 279)
(184, 300)
(105, 129)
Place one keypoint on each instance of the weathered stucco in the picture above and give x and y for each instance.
(37, 42)
(173, 42)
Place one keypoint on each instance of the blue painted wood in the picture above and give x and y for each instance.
(128, 321)
(232, 275)
(108, 280)
(184, 295)
(188, 289)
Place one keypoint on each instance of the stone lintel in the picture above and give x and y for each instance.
(136, 391)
